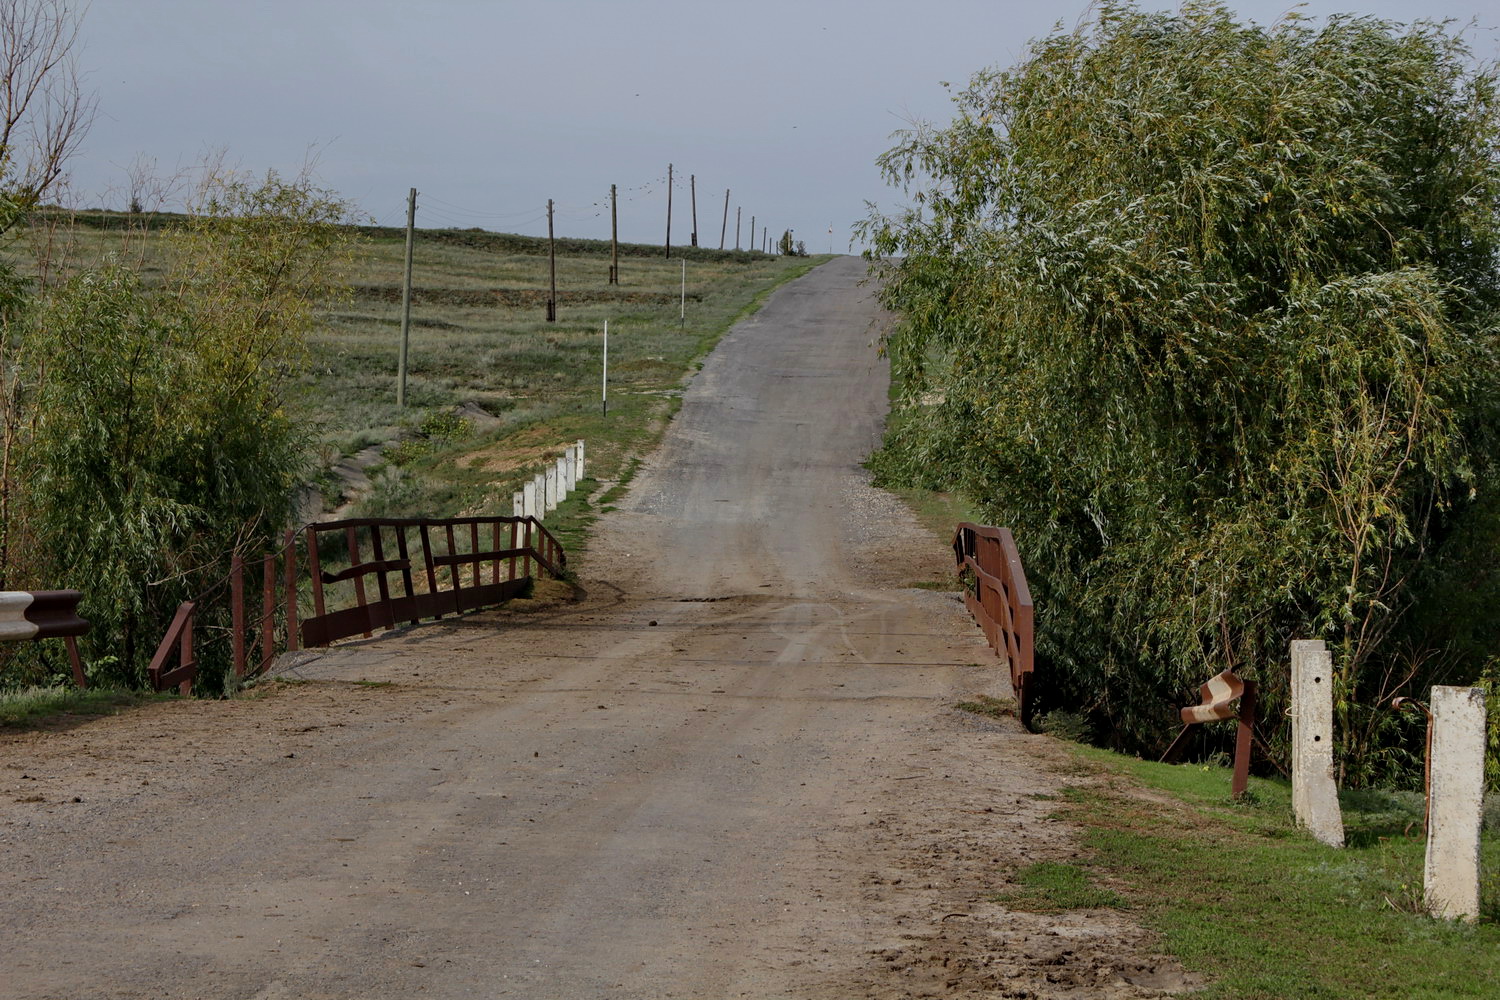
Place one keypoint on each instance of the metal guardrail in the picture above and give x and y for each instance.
(472, 563)
(998, 597)
(27, 615)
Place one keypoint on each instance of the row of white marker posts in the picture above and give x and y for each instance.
(541, 496)
(1455, 784)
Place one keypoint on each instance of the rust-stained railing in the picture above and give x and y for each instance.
(44, 614)
(999, 599)
(180, 636)
(346, 572)
(494, 553)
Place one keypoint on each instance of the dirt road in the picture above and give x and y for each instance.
(733, 770)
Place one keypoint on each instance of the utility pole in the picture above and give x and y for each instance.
(725, 227)
(411, 223)
(552, 266)
(751, 245)
(614, 239)
(693, 191)
(737, 211)
(604, 385)
(669, 211)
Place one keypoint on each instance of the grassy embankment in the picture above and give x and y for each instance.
(480, 339)
(1242, 896)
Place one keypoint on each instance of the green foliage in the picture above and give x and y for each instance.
(1205, 312)
(157, 440)
(1233, 887)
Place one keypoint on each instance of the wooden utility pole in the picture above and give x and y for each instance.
(751, 245)
(725, 227)
(669, 211)
(614, 239)
(737, 211)
(411, 224)
(693, 192)
(552, 266)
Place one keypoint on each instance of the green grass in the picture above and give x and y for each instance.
(1240, 894)
(479, 336)
(1051, 887)
(31, 707)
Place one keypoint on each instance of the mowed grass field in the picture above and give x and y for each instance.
(494, 391)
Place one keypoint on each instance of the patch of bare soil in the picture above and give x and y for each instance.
(946, 844)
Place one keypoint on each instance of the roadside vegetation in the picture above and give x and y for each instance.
(1206, 313)
(177, 387)
(1242, 896)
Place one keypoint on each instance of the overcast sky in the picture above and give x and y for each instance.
(490, 107)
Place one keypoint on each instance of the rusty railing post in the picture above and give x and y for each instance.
(237, 613)
(267, 612)
(352, 541)
(289, 562)
(1242, 737)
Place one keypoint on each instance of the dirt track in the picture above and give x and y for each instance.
(732, 770)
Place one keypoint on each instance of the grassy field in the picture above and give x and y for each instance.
(1240, 894)
(494, 390)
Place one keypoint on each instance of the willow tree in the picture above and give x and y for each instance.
(161, 441)
(1206, 312)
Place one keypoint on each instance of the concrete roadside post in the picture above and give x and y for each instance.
(578, 458)
(518, 505)
(1315, 795)
(563, 486)
(551, 481)
(1455, 792)
(540, 482)
(528, 499)
(570, 468)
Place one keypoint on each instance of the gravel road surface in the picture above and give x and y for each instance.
(732, 769)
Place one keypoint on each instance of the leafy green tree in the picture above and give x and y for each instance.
(160, 443)
(1206, 312)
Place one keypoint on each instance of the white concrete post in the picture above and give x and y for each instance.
(528, 499)
(540, 483)
(1456, 793)
(570, 469)
(1315, 794)
(562, 477)
(551, 481)
(517, 505)
(578, 460)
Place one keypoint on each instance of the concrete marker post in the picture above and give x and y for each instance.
(528, 499)
(1315, 794)
(1456, 794)
(570, 469)
(562, 478)
(578, 458)
(517, 505)
(550, 477)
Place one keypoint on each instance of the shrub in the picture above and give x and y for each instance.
(1205, 311)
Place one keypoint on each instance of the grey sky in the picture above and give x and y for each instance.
(490, 108)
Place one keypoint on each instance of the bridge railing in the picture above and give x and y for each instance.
(357, 577)
(999, 598)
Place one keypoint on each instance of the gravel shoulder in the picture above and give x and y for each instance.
(731, 768)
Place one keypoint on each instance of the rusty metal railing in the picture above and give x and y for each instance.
(440, 566)
(514, 543)
(27, 615)
(998, 597)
